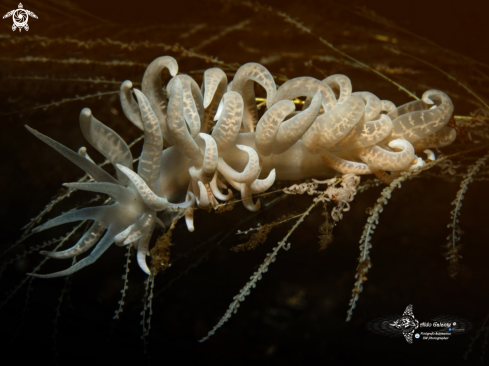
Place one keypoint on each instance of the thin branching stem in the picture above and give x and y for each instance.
(453, 248)
(307, 30)
(470, 91)
(271, 257)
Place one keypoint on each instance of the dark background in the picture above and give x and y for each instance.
(296, 314)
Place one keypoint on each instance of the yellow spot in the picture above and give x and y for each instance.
(382, 38)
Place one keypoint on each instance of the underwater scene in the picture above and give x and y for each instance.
(244, 182)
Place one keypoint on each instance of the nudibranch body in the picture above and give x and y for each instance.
(212, 136)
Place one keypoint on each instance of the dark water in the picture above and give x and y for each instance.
(296, 314)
